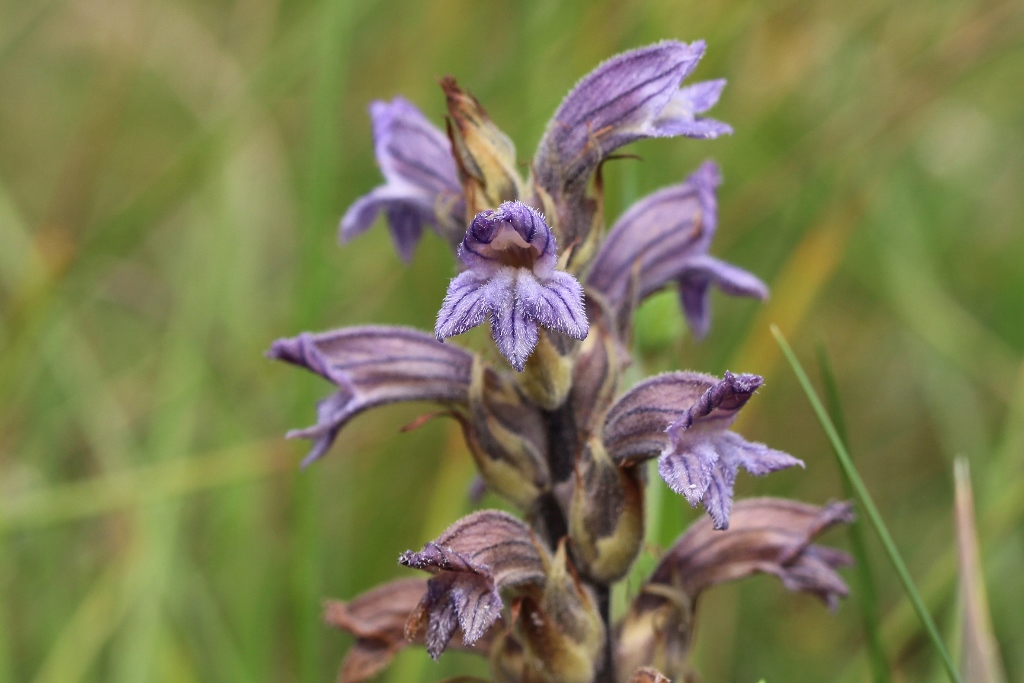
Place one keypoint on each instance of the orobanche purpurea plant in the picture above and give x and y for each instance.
(550, 431)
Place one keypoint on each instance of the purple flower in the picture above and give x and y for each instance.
(632, 96)
(683, 419)
(373, 366)
(665, 238)
(421, 184)
(511, 276)
(476, 559)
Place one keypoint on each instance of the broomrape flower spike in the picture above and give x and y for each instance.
(511, 277)
(558, 440)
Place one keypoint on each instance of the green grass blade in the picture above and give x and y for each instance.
(858, 538)
(868, 504)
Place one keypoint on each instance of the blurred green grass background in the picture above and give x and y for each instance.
(171, 176)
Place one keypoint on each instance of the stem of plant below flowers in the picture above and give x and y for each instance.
(606, 671)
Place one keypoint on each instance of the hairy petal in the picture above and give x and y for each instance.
(679, 117)
(510, 252)
(690, 477)
(513, 327)
(701, 96)
(613, 105)
(555, 303)
(421, 184)
(632, 96)
(373, 366)
(695, 280)
(700, 432)
(473, 561)
(468, 301)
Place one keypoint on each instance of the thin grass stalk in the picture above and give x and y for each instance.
(869, 505)
(858, 538)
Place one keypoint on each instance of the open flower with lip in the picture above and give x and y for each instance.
(421, 184)
(511, 277)
(534, 595)
(682, 418)
(665, 238)
(632, 96)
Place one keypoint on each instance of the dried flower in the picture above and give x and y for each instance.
(768, 536)
(473, 561)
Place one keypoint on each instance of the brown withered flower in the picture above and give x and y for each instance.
(767, 536)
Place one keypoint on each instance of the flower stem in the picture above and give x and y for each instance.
(606, 671)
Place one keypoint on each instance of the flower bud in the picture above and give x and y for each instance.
(564, 630)
(485, 156)
(606, 523)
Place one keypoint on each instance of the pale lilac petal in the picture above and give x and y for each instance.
(466, 305)
(717, 499)
(556, 303)
(702, 96)
(410, 149)
(729, 278)
(679, 117)
(363, 212)
(657, 236)
(514, 330)
(632, 96)
(702, 129)
(406, 223)
(664, 238)
(689, 475)
(754, 457)
(511, 255)
(695, 282)
(683, 419)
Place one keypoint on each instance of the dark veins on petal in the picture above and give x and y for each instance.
(373, 366)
